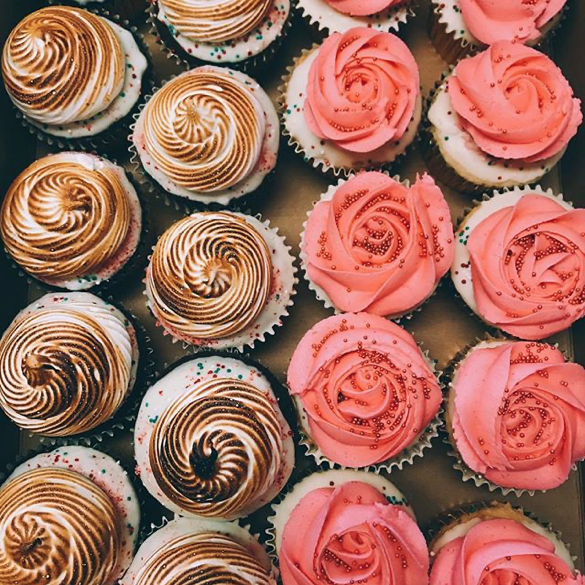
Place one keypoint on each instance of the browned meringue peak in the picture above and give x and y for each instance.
(62, 220)
(204, 130)
(217, 449)
(63, 64)
(204, 558)
(57, 527)
(215, 20)
(210, 275)
(61, 373)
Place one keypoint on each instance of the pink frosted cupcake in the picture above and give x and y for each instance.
(528, 429)
(503, 118)
(365, 392)
(373, 244)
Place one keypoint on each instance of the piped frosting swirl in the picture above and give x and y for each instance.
(363, 7)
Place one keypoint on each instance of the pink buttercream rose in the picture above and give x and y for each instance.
(362, 7)
(528, 267)
(352, 534)
(362, 89)
(514, 102)
(379, 246)
(512, 20)
(501, 552)
(528, 428)
(365, 386)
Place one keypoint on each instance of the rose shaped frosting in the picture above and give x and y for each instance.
(528, 429)
(501, 552)
(527, 266)
(512, 20)
(215, 20)
(362, 7)
(365, 387)
(57, 527)
(209, 276)
(62, 64)
(351, 534)
(514, 102)
(362, 89)
(201, 559)
(379, 246)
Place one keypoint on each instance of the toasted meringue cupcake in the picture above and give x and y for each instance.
(210, 440)
(71, 220)
(67, 516)
(210, 135)
(220, 279)
(192, 550)
(67, 364)
(72, 73)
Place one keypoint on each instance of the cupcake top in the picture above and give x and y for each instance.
(365, 387)
(211, 441)
(71, 219)
(372, 244)
(514, 103)
(526, 432)
(362, 7)
(67, 363)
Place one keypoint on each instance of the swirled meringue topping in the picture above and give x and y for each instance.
(514, 102)
(57, 527)
(215, 20)
(63, 64)
(200, 559)
(65, 369)
(362, 7)
(204, 130)
(66, 216)
(210, 276)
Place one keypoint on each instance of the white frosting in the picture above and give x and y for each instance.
(461, 153)
(324, 152)
(108, 475)
(238, 49)
(176, 384)
(461, 268)
(124, 102)
(266, 160)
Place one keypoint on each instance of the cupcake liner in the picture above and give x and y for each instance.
(173, 50)
(130, 10)
(321, 164)
(277, 304)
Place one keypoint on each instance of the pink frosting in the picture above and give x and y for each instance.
(362, 7)
(528, 267)
(511, 20)
(351, 534)
(379, 246)
(528, 429)
(362, 89)
(365, 386)
(514, 102)
(501, 552)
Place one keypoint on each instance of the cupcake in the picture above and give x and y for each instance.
(528, 429)
(373, 244)
(354, 102)
(223, 32)
(499, 544)
(72, 74)
(364, 391)
(209, 135)
(197, 552)
(67, 364)
(68, 516)
(71, 220)
(341, 15)
(348, 526)
(210, 440)
(220, 279)
(518, 259)
(502, 118)
(461, 27)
